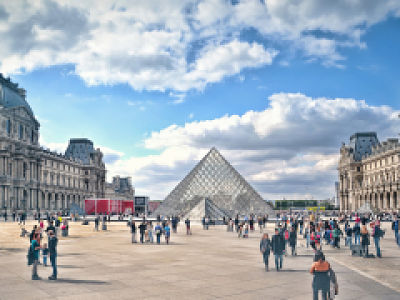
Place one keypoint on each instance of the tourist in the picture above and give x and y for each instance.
(35, 244)
(240, 230)
(260, 224)
(349, 234)
(237, 223)
(207, 222)
(277, 247)
(307, 236)
(357, 233)
(158, 231)
(301, 223)
(286, 235)
(133, 231)
(203, 222)
(321, 281)
(188, 231)
(150, 231)
(251, 222)
(336, 236)
(45, 253)
(167, 233)
(293, 240)
(265, 248)
(364, 240)
(246, 231)
(53, 254)
(378, 233)
(395, 228)
(96, 223)
(5, 215)
(174, 224)
(142, 229)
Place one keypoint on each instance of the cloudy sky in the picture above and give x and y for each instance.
(275, 85)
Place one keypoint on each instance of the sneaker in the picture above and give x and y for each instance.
(36, 277)
(52, 277)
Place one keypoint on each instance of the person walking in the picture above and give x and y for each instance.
(167, 233)
(321, 281)
(396, 231)
(35, 244)
(133, 231)
(293, 240)
(265, 249)
(53, 241)
(187, 222)
(277, 247)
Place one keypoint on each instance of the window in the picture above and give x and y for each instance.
(21, 131)
(33, 137)
(8, 125)
(24, 170)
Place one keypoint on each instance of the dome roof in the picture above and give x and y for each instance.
(10, 98)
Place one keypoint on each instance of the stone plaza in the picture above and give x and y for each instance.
(211, 264)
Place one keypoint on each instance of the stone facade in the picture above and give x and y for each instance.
(120, 189)
(33, 178)
(369, 173)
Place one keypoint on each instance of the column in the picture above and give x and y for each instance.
(391, 200)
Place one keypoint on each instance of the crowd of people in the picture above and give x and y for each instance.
(357, 231)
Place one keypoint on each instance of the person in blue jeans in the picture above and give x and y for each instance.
(357, 234)
(53, 254)
(378, 233)
(35, 244)
(277, 247)
(158, 231)
(396, 231)
(265, 249)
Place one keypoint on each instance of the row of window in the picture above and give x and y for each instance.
(61, 180)
(381, 162)
(22, 131)
(65, 167)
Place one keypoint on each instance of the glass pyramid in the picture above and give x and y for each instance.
(214, 179)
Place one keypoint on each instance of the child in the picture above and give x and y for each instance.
(167, 233)
(45, 252)
(246, 231)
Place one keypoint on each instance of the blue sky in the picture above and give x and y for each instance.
(156, 86)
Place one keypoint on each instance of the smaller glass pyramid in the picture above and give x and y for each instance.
(214, 178)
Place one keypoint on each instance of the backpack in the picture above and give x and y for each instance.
(30, 256)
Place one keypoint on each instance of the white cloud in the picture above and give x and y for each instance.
(290, 149)
(178, 45)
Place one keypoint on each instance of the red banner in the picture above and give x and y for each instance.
(108, 206)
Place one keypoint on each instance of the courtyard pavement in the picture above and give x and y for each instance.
(211, 264)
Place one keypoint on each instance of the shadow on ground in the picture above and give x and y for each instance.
(79, 281)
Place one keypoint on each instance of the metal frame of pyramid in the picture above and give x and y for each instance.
(215, 179)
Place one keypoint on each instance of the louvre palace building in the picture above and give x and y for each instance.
(369, 173)
(34, 178)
